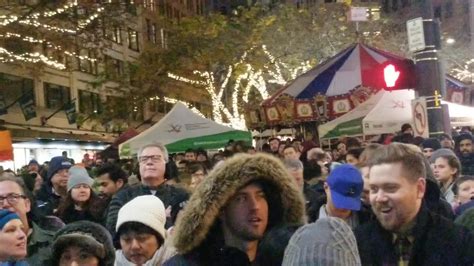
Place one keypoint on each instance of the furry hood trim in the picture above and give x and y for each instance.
(223, 182)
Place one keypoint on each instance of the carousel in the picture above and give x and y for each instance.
(336, 87)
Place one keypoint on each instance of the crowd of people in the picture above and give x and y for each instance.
(400, 201)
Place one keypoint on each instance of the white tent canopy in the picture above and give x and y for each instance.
(460, 115)
(181, 129)
(385, 112)
(390, 113)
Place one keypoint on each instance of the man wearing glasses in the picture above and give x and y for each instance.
(13, 198)
(152, 159)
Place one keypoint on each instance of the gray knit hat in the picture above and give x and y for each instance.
(78, 175)
(328, 241)
(441, 152)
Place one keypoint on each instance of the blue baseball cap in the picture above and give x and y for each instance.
(346, 185)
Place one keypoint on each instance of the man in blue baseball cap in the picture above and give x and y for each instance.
(343, 188)
(55, 186)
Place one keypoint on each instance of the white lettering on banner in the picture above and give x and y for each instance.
(196, 126)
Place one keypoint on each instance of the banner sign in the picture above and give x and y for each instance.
(27, 104)
(71, 114)
(3, 105)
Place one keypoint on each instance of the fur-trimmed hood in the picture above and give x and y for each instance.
(222, 183)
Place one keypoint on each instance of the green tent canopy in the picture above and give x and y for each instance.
(182, 129)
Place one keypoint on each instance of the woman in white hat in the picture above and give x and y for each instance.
(141, 232)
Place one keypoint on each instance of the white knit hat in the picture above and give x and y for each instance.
(328, 241)
(78, 175)
(148, 210)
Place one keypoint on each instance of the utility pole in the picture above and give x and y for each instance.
(430, 74)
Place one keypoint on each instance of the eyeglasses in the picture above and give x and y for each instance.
(12, 198)
(154, 158)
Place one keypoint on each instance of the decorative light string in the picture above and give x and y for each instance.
(30, 57)
(50, 44)
(466, 72)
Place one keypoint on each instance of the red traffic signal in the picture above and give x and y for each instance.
(390, 75)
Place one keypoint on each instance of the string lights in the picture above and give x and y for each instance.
(51, 45)
(465, 73)
(34, 21)
(244, 82)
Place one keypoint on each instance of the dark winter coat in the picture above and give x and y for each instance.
(47, 201)
(438, 241)
(467, 163)
(169, 195)
(39, 245)
(198, 237)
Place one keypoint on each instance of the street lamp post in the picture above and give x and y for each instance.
(430, 75)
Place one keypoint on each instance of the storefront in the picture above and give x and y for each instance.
(43, 150)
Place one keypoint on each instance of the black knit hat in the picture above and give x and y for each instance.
(463, 136)
(431, 143)
(90, 236)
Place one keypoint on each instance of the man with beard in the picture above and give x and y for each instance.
(274, 145)
(111, 179)
(229, 213)
(406, 232)
(465, 153)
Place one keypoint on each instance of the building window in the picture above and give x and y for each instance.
(113, 33)
(132, 39)
(113, 67)
(117, 107)
(13, 87)
(85, 64)
(89, 102)
(151, 31)
(149, 4)
(56, 96)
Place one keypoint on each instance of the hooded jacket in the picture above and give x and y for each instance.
(198, 237)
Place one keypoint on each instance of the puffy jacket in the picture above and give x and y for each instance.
(198, 237)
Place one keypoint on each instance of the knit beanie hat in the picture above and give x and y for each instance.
(441, 152)
(148, 210)
(6, 216)
(33, 161)
(87, 235)
(78, 175)
(57, 163)
(463, 136)
(328, 241)
(431, 143)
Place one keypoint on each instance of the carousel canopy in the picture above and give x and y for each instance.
(355, 66)
(334, 87)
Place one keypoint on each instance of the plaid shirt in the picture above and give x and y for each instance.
(403, 246)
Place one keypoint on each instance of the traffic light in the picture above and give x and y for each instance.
(396, 75)
(390, 75)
